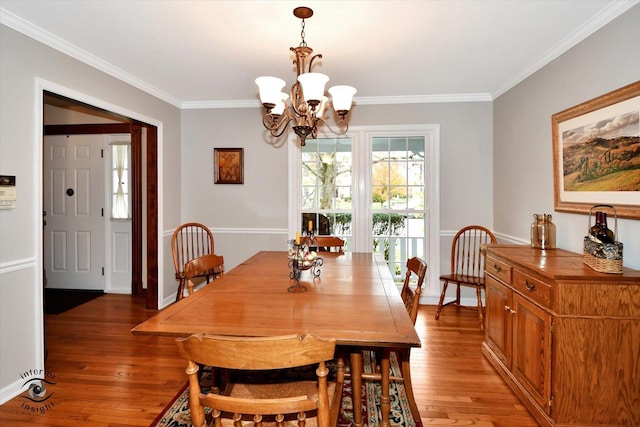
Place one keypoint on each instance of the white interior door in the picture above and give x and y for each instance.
(74, 175)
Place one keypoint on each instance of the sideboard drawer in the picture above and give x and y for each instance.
(532, 288)
(498, 269)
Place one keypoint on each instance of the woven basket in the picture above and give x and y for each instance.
(603, 257)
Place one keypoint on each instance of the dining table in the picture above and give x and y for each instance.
(353, 299)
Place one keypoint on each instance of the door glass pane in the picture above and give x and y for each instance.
(326, 197)
(120, 153)
(398, 200)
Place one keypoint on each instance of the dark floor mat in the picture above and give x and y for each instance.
(58, 301)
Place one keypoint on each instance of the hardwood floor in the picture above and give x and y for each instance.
(104, 376)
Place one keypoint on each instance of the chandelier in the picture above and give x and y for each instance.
(307, 100)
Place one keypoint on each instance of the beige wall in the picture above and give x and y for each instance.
(523, 172)
(26, 68)
(253, 216)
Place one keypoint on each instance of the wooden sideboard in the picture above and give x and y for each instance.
(564, 337)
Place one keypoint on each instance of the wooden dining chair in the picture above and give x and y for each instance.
(327, 243)
(301, 403)
(411, 291)
(200, 267)
(189, 241)
(467, 266)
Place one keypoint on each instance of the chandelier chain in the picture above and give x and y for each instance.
(302, 34)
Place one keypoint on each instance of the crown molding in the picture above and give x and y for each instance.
(366, 100)
(424, 99)
(27, 28)
(607, 15)
(203, 105)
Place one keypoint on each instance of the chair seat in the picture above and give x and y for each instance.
(209, 266)
(463, 279)
(307, 389)
(214, 272)
(273, 391)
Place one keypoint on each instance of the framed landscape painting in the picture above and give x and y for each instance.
(596, 154)
(228, 165)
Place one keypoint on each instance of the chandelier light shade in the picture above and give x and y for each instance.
(342, 98)
(313, 87)
(270, 89)
(304, 107)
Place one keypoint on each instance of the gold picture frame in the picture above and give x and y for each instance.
(596, 154)
(228, 165)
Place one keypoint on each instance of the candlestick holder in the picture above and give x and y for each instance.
(301, 259)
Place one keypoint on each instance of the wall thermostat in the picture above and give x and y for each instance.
(7, 192)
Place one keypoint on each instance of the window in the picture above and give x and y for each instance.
(377, 188)
(120, 166)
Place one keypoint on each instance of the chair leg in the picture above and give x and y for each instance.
(337, 397)
(480, 309)
(197, 411)
(180, 293)
(444, 291)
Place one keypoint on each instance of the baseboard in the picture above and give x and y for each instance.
(168, 301)
(10, 391)
(115, 290)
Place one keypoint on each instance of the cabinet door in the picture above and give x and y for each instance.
(498, 319)
(531, 363)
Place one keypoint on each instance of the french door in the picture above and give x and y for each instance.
(376, 187)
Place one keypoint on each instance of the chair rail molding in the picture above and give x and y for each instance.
(17, 265)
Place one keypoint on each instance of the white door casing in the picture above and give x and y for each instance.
(74, 175)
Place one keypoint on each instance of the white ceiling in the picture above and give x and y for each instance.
(197, 54)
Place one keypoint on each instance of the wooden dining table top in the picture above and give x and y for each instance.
(354, 300)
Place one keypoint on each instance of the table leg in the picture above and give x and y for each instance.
(355, 360)
(385, 400)
(405, 368)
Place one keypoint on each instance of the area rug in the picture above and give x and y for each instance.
(177, 413)
(58, 301)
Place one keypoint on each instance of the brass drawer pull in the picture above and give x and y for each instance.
(497, 268)
(509, 309)
(530, 286)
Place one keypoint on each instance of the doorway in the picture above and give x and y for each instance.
(144, 218)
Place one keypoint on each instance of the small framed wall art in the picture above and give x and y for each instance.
(596, 153)
(228, 164)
